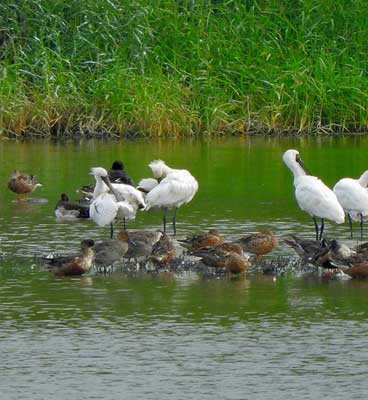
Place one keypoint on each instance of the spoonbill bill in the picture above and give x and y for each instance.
(117, 174)
(312, 195)
(353, 196)
(175, 188)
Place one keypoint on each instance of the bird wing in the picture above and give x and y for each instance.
(314, 197)
(126, 210)
(103, 209)
(129, 194)
(352, 196)
(147, 184)
(176, 189)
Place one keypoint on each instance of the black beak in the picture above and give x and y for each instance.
(300, 162)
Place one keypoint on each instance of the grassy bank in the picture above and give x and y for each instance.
(182, 67)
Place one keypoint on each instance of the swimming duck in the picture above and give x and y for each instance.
(259, 243)
(208, 239)
(21, 183)
(73, 264)
(65, 209)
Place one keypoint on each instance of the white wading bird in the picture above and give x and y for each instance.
(113, 200)
(175, 188)
(353, 196)
(312, 195)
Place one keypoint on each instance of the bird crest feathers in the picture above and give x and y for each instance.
(159, 168)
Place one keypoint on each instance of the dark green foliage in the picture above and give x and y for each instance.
(179, 67)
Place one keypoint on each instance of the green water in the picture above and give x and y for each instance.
(177, 336)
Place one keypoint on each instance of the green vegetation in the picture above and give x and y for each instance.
(182, 67)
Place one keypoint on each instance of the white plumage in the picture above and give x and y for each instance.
(353, 197)
(145, 185)
(103, 209)
(175, 188)
(312, 195)
(113, 200)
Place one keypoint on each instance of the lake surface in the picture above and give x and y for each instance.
(178, 336)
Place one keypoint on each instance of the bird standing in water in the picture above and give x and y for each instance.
(353, 197)
(21, 183)
(175, 188)
(312, 195)
(111, 200)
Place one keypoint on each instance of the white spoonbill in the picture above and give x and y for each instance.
(353, 196)
(113, 200)
(312, 195)
(176, 187)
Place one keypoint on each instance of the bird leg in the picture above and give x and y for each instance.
(164, 219)
(316, 227)
(174, 220)
(361, 226)
(111, 230)
(351, 225)
(322, 228)
(124, 223)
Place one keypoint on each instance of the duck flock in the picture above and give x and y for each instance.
(113, 198)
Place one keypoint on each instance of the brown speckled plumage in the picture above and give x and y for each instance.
(20, 183)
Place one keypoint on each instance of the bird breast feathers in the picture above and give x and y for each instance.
(103, 209)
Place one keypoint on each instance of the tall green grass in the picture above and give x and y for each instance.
(182, 67)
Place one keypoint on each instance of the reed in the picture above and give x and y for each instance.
(182, 67)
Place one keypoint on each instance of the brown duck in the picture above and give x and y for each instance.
(226, 256)
(209, 239)
(259, 243)
(20, 183)
(74, 264)
(110, 251)
(163, 252)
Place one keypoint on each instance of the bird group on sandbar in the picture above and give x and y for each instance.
(114, 197)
